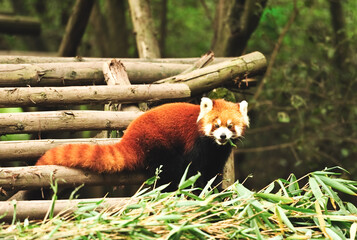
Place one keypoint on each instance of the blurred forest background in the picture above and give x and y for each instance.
(303, 110)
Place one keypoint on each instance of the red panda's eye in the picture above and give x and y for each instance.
(230, 126)
(216, 125)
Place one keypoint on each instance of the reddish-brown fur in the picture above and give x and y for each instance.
(165, 126)
(168, 135)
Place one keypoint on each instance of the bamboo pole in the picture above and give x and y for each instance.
(34, 177)
(37, 209)
(39, 96)
(81, 73)
(29, 122)
(33, 149)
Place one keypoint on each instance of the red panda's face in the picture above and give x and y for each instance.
(223, 120)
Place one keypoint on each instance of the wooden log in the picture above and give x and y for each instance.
(67, 120)
(80, 73)
(33, 149)
(34, 177)
(44, 96)
(114, 74)
(37, 209)
(217, 75)
(19, 25)
(26, 59)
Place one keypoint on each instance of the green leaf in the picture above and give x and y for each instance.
(205, 191)
(353, 230)
(269, 188)
(231, 143)
(189, 182)
(275, 198)
(317, 192)
(333, 235)
(281, 215)
(333, 195)
(336, 184)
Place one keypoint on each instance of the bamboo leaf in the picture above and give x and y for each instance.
(269, 188)
(282, 187)
(333, 235)
(333, 195)
(334, 183)
(189, 182)
(294, 187)
(317, 192)
(353, 231)
(275, 198)
(322, 223)
(282, 216)
(205, 191)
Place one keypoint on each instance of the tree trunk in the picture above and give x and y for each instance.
(44, 96)
(75, 28)
(118, 32)
(163, 27)
(100, 31)
(29, 122)
(146, 39)
(343, 50)
(235, 21)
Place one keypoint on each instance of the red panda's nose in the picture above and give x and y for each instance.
(223, 136)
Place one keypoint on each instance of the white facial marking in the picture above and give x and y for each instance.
(207, 129)
(243, 107)
(222, 135)
(238, 131)
(205, 106)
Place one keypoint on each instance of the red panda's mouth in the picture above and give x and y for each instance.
(221, 141)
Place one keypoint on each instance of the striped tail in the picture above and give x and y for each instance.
(99, 158)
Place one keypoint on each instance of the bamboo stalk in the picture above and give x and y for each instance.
(37, 209)
(33, 149)
(38, 96)
(29, 122)
(35, 177)
(80, 73)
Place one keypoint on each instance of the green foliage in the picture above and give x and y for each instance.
(285, 209)
(308, 99)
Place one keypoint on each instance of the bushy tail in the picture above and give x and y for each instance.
(99, 158)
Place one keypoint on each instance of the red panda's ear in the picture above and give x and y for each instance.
(243, 107)
(205, 106)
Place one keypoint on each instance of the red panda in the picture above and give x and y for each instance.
(172, 135)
